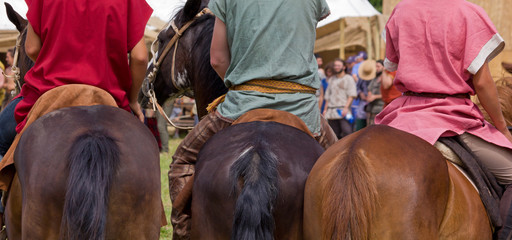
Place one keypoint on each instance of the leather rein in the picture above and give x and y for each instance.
(16, 74)
(148, 86)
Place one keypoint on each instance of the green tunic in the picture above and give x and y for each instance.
(271, 39)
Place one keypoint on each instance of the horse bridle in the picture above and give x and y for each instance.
(16, 73)
(148, 86)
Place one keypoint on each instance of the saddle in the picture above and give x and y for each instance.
(57, 98)
(272, 115)
(460, 155)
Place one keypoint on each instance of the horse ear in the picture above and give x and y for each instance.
(191, 8)
(15, 18)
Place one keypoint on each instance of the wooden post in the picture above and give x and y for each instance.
(369, 44)
(342, 38)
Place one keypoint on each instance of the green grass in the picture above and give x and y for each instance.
(165, 160)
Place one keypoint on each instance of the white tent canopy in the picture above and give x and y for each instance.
(348, 8)
(353, 25)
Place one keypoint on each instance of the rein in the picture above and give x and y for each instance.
(147, 86)
(16, 75)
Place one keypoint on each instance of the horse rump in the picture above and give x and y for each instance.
(249, 182)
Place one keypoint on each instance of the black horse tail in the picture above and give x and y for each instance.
(255, 172)
(93, 161)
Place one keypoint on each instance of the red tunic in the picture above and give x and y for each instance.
(83, 42)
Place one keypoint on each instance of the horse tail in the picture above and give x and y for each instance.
(255, 172)
(349, 212)
(93, 161)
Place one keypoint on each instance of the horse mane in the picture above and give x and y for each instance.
(201, 47)
(504, 86)
(348, 214)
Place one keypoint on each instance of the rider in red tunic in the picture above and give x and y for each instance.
(85, 42)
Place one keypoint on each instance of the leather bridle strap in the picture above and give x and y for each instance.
(148, 89)
(16, 74)
(150, 78)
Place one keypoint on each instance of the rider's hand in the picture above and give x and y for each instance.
(137, 111)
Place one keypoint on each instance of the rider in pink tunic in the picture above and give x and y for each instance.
(441, 51)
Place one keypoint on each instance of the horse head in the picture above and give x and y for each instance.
(184, 68)
(24, 63)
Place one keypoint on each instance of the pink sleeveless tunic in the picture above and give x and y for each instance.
(436, 46)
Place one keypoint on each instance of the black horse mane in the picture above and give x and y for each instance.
(201, 50)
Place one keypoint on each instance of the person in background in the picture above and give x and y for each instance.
(8, 86)
(351, 61)
(162, 125)
(2, 82)
(150, 120)
(9, 59)
(374, 98)
(441, 53)
(329, 72)
(387, 88)
(362, 90)
(358, 60)
(339, 96)
(320, 62)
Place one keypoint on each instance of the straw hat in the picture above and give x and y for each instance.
(368, 70)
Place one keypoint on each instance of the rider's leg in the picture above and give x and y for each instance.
(183, 166)
(7, 135)
(498, 161)
(7, 126)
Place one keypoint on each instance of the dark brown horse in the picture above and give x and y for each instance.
(249, 179)
(84, 173)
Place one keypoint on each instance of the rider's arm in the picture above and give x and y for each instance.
(32, 43)
(219, 51)
(488, 95)
(138, 63)
(387, 80)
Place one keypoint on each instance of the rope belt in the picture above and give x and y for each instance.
(264, 86)
(437, 95)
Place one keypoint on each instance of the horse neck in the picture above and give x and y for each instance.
(206, 91)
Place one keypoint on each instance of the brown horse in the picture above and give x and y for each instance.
(386, 189)
(249, 179)
(375, 184)
(88, 172)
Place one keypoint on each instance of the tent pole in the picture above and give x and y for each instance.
(369, 45)
(342, 38)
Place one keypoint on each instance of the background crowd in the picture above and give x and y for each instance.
(353, 92)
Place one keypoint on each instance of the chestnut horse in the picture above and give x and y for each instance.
(89, 172)
(249, 179)
(383, 183)
(385, 189)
